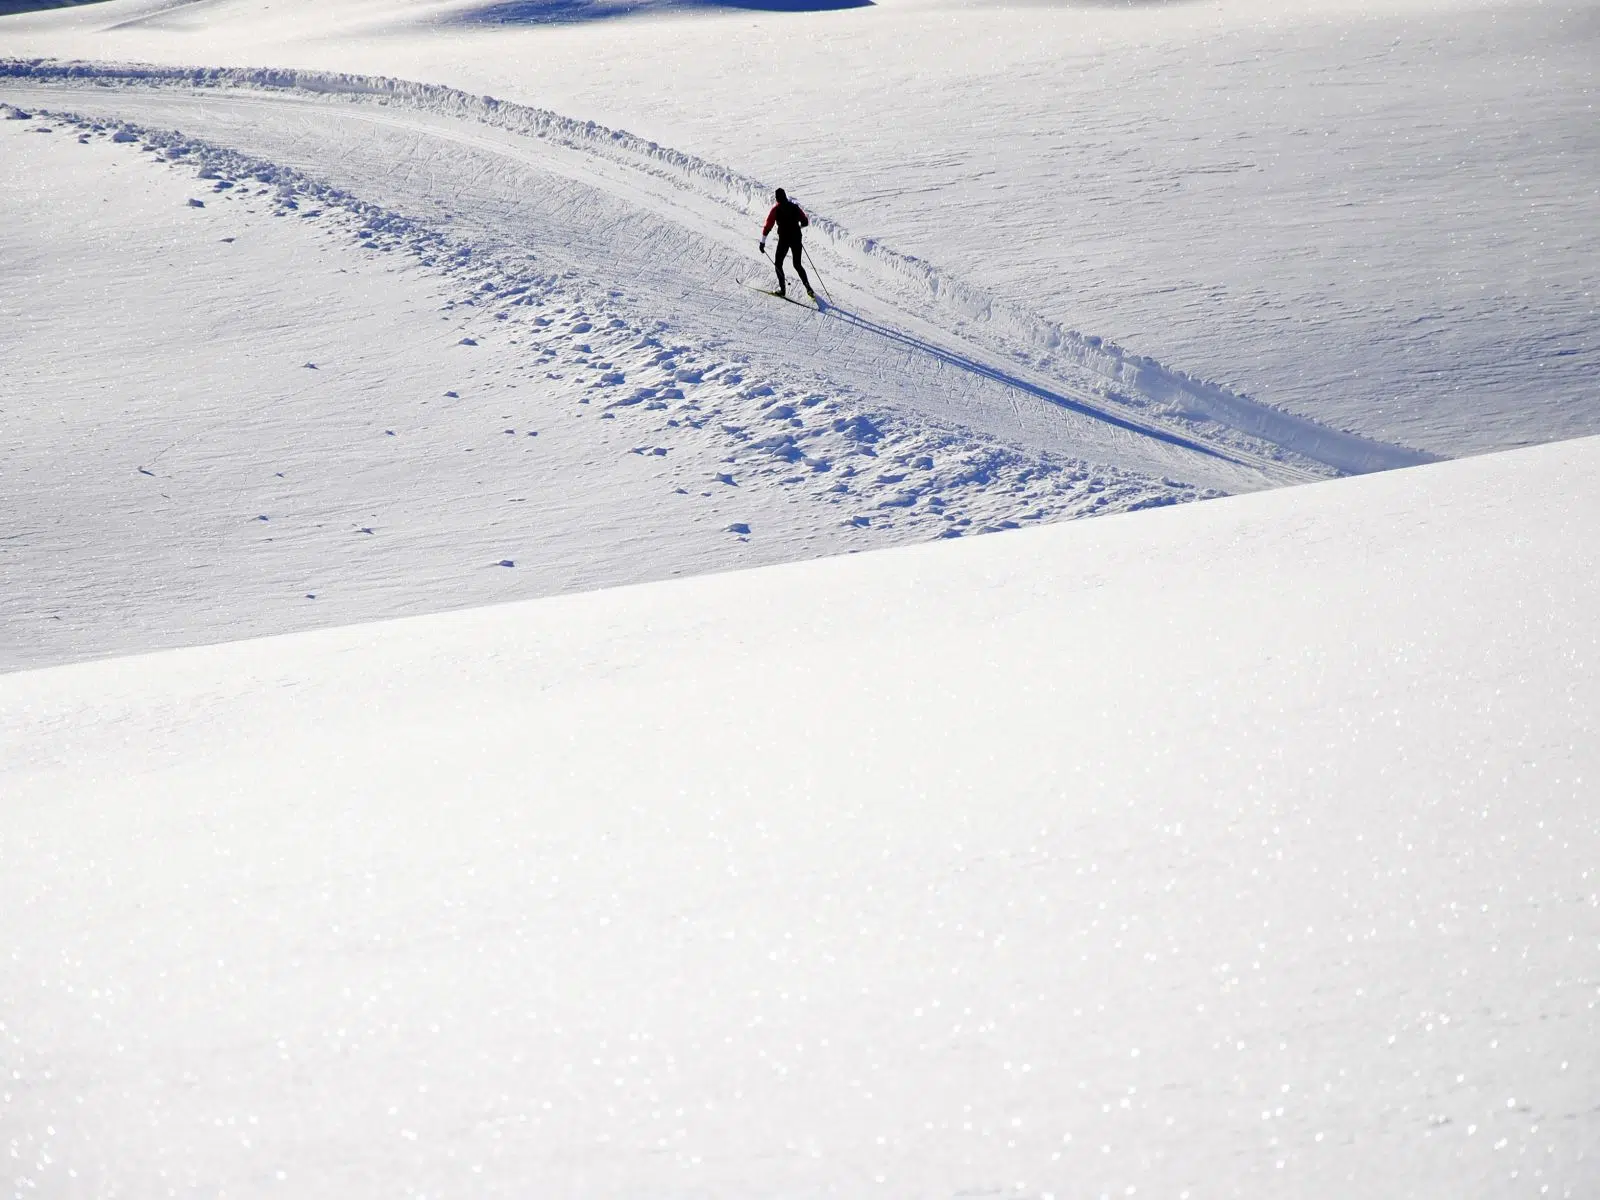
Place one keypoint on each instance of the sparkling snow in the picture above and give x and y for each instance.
(1246, 847)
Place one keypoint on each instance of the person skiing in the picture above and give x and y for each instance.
(790, 219)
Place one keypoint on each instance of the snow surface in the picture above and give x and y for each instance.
(278, 440)
(1085, 259)
(1378, 216)
(1237, 849)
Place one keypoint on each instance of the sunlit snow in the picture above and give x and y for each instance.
(452, 745)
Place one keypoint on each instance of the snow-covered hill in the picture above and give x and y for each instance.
(1238, 849)
(1377, 216)
(1373, 219)
(254, 402)
(469, 264)
(248, 385)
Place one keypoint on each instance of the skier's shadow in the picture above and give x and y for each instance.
(571, 12)
(1006, 378)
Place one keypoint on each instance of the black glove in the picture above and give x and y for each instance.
(763, 246)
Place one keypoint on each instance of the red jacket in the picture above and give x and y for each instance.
(788, 223)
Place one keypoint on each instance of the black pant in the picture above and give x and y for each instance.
(785, 246)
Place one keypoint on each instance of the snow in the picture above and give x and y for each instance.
(1372, 215)
(870, 423)
(1236, 848)
(605, 448)
(450, 744)
(978, 369)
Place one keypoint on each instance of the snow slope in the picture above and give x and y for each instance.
(1375, 216)
(1236, 849)
(359, 283)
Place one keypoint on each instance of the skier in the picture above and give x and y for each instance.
(790, 218)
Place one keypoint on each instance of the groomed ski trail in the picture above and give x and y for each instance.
(282, 407)
(900, 302)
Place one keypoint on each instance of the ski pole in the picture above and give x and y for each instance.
(818, 274)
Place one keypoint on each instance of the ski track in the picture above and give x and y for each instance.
(690, 424)
(896, 472)
(929, 313)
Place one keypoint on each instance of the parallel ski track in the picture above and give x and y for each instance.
(696, 185)
(1073, 400)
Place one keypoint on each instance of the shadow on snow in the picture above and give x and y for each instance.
(995, 374)
(11, 8)
(566, 12)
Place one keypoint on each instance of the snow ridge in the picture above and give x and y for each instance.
(1137, 382)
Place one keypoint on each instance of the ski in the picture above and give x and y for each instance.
(816, 300)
